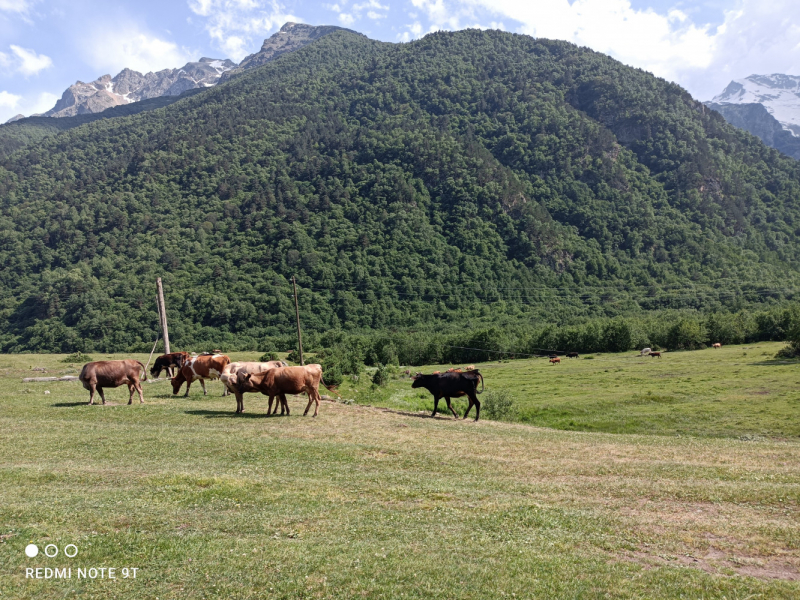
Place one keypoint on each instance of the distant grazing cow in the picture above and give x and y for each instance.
(454, 370)
(284, 380)
(229, 376)
(645, 351)
(205, 366)
(452, 385)
(167, 361)
(555, 360)
(717, 345)
(471, 368)
(436, 372)
(655, 354)
(111, 374)
(572, 355)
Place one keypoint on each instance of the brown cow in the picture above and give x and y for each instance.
(555, 360)
(716, 345)
(205, 366)
(655, 354)
(112, 373)
(285, 380)
(230, 373)
(168, 361)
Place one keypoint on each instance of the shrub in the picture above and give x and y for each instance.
(294, 357)
(77, 357)
(497, 405)
(332, 377)
(381, 376)
(268, 356)
(686, 334)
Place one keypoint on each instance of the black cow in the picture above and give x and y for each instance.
(452, 385)
(168, 361)
(572, 355)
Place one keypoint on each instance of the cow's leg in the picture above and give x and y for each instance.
(284, 404)
(130, 397)
(473, 399)
(188, 385)
(317, 398)
(239, 401)
(102, 395)
(225, 390)
(447, 399)
(310, 395)
(203, 385)
(269, 404)
(139, 389)
(435, 405)
(92, 388)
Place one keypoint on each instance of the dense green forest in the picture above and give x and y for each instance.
(472, 180)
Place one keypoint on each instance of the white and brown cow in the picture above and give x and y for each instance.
(205, 366)
(231, 371)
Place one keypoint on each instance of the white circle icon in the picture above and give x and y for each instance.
(31, 550)
(74, 553)
(47, 550)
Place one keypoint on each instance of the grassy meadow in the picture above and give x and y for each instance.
(680, 478)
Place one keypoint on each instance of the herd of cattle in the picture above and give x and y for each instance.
(274, 379)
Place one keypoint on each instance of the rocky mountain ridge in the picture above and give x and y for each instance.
(131, 86)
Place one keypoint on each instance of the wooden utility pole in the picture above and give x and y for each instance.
(297, 315)
(162, 313)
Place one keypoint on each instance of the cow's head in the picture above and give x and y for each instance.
(417, 380)
(177, 382)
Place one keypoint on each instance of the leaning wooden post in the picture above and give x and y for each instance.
(162, 310)
(297, 315)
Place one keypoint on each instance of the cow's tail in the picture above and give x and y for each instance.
(476, 385)
(322, 381)
(144, 371)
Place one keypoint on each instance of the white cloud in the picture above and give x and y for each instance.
(9, 100)
(13, 104)
(239, 26)
(111, 49)
(17, 6)
(346, 19)
(22, 60)
(757, 37)
(31, 63)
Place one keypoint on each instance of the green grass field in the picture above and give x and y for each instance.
(684, 484)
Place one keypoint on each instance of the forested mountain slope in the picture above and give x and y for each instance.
(463, 176)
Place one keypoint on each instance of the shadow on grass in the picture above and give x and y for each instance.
(222, 414)
(420, 415)
(70, 404)
(775, 362)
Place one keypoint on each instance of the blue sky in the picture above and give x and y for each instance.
(46, 45)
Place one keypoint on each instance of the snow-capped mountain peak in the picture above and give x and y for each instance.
(778, 93)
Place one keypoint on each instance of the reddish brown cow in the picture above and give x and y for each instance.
(717, 345)
(655, 354)
(205, 366)
(168, 361)
(555, 360)
(285, 380)
(112, 373)
(231, 372)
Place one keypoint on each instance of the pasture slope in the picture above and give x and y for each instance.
(380, 502)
